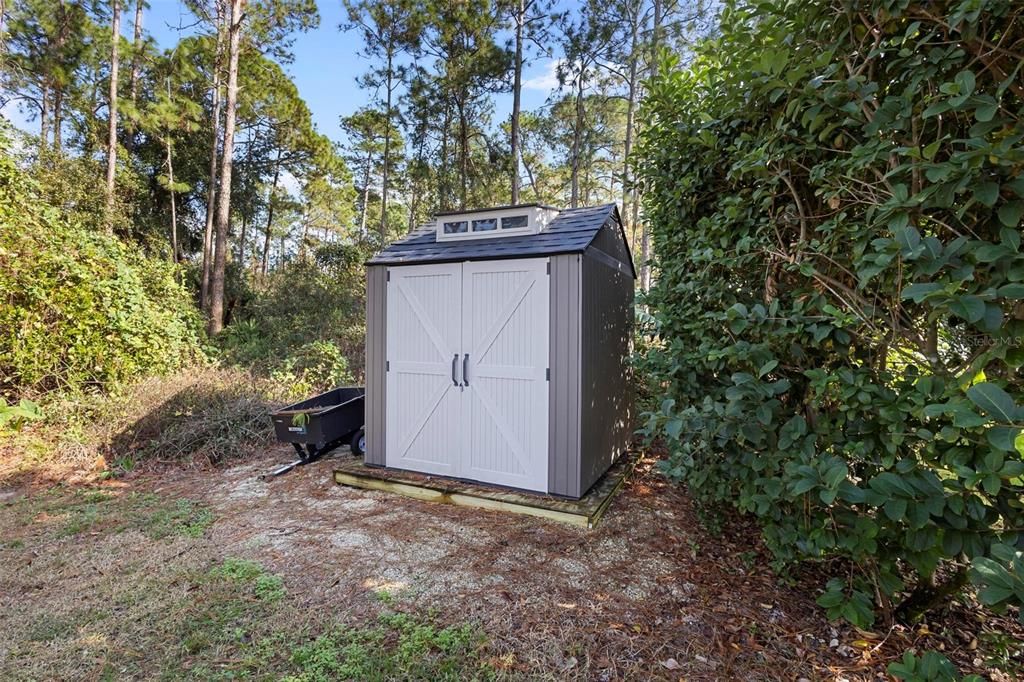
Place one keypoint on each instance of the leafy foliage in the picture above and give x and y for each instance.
(306, 327)
(400, 646)
(13, 416)
(835, 196)
(931, 666)
(80, 309)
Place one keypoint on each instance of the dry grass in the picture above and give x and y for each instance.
(133, 579)
(200, 416)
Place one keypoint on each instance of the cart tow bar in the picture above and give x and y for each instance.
(307, 456)
(283, 469)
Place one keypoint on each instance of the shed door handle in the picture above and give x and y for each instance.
(455, 362)
(465, 370)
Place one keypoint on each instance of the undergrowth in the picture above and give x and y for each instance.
(204, 414)
(398, 646)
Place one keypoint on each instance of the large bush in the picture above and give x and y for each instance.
(305, 324)
(835, 193)
(79, 309)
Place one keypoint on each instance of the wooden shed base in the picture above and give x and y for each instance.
(585, 512)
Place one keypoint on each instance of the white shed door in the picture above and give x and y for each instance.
(484, 418)
(505, 332)
(424, 424)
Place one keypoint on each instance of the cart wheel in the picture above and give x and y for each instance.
(358, 443)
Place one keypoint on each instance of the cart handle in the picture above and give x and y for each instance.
(455, 362)
(465, 370)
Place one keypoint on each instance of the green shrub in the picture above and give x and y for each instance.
(79, 309)
(398, 647)
(931, 666)
(305, 327)
(835, 194)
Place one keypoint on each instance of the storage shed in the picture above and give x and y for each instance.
(497, 348)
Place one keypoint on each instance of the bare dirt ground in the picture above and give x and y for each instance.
(118, 584)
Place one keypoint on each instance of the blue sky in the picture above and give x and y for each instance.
(325, 67)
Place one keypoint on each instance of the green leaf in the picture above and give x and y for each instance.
(986, 193)
(908, 238)
(1003, 437)
(929, 151)
(1010, 213)
(993, 400)
(918, 292)
(970, 308)
(965, 81)
(986, 108)
(1014, 291)
(1010, 238)
(989, 253)
(767, 367)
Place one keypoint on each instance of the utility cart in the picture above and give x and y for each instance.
(321, 423)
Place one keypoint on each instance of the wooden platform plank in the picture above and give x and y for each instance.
(585, 512)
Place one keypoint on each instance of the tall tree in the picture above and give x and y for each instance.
(211, 188)
(581, 47)
(168, 116)
(365, 133)
(115, 39)
(223, 217)
(519, 18)
(530, 19)
(388, 30)
(45, 44)
(133, 75)
(471, 67)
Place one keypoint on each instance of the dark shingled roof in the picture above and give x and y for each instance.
(572, 231)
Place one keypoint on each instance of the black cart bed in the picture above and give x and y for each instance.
(322, 422)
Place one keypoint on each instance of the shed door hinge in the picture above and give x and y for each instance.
(547, 374)
(389, 275)
(549, 267)
(387, 365)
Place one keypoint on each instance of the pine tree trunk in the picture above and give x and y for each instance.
(174, 210)
(463, 156)
(133, 78)
(365, 201)
(44, 118)
(211, 190)
(63, 33)
(387, 148)
(645, 245)
(533, 181)
(3, 29)
(443, 186)
(223, 217)
(242, 235)
(58, 115)
(115, 39)
(265, 264)
(517, 91)
(576, 143)
(628, 195)
(413, 202)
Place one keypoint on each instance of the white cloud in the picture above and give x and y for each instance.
(544, 79)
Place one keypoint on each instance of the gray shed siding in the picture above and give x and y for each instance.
(564, 389)
(376, 351)
(606, 410)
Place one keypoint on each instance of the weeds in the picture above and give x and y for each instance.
(183, 517)
(265, 586)
(207, 414)
(398, 646)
